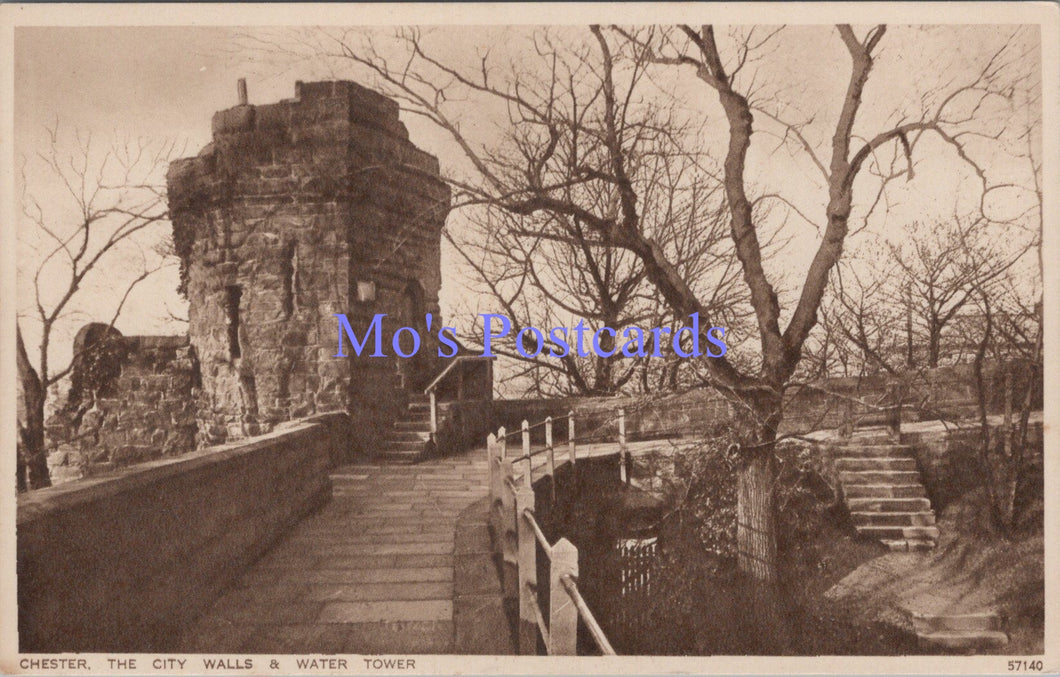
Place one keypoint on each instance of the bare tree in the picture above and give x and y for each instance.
(1012, 336)
(936, 271)
(548, 269)
(859, 320)
(525, 172)
(545, 259)
(1006, 451)
(108, 202)
(899, 302)
(849, 159)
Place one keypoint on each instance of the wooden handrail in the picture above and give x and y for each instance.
(587, 616)
(459, 359)
(528, 515)
(542, 625)
(433, 386)
(517, 535)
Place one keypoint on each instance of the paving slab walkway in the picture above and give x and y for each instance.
(382, 569)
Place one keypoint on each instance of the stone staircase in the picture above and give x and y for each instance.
(883, 491)
(407, 440)
(967, 633)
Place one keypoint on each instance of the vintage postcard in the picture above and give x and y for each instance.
(669, 338)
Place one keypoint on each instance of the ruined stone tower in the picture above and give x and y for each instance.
(297, 210)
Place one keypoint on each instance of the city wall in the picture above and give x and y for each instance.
(122, 562)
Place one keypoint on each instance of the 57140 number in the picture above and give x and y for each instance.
(1025, 666)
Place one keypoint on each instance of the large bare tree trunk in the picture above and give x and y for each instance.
(756, 519)
(756, 429)
(21, 483)
(757, 552)
(36, 454)
(32, 428)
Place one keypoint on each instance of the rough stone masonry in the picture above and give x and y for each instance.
(298, 210)
(133, 403)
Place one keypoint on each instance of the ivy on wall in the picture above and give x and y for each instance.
(97, 366)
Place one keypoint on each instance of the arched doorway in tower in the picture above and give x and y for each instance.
(413, 313)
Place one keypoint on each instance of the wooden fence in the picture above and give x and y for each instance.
(517, 536)
(636, 580)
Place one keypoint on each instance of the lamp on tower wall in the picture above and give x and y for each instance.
(366, 291)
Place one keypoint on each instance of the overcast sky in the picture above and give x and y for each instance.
(164, 83)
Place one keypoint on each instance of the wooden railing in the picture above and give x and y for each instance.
(517, 535)
(454, 368)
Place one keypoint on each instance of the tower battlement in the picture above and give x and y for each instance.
(292, 208)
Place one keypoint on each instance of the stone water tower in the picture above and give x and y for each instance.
(297, 210)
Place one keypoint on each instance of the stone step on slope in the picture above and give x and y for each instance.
(888, 504)
(872, 435)
(924, 518)
(966, 641)
(928, 623)
(884, 491)
(879, 477)
(908, 544)
(899, 532)
(408, 436)
(871, 450)
(875, 463)
(968, 632)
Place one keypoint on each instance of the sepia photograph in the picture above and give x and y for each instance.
(428, 339)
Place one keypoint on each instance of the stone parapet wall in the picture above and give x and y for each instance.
(828, 403)
(122, 563)
(947, 392)
(596, 417)
(950, 460)
(462, 425)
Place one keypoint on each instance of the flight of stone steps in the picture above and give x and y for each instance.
(883, 491)
(969, 633)
(407, 441)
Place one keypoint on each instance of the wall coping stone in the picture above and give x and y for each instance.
(158, 341)
(39, 503)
